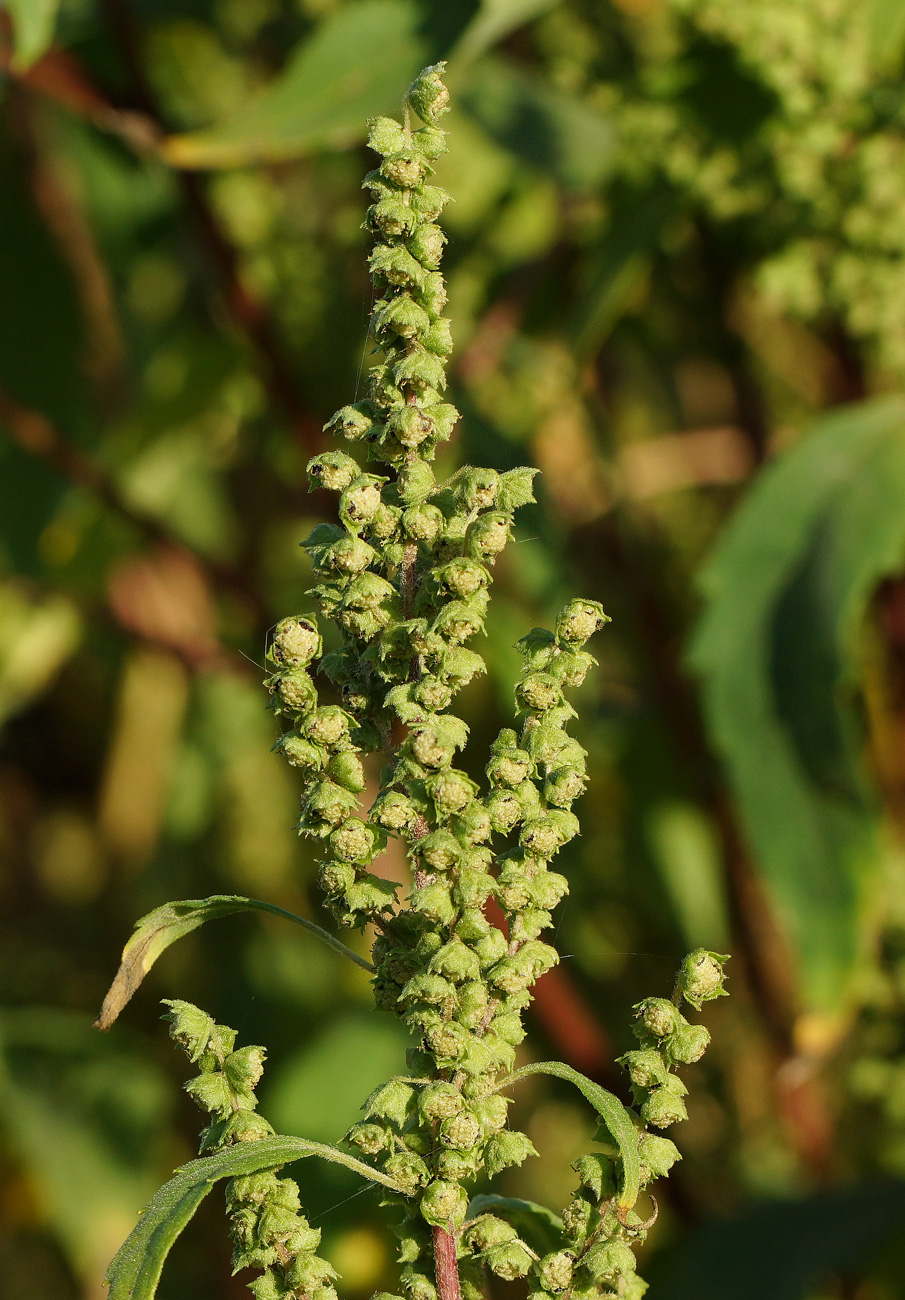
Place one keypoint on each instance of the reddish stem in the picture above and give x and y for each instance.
(446, 1265)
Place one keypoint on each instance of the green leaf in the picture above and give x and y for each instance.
(34, 22)
(538, 1226)
(137, 1265)
(543, 126)
(886, 34)
(494, 20)
(610, 1109)
(777, 647)
(355, 66)
(155, 932)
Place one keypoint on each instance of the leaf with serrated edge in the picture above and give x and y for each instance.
(610, 1109)
(155, 932)
(137, 1265)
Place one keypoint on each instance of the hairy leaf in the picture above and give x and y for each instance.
(351, 69)
(778, 651)
(155, 932)
(610, 1109)
(137, 1265)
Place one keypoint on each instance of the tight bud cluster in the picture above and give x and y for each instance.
(269, 1231)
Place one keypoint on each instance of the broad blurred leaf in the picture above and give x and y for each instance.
(33, 27)
(786, 594)
(155, 932)
(784, 1248)
(887, 33)
(135, 1271)
(540, 124)
(323, 1087)
(494, 20)
(357, 64)
(36, 638)
(82, 1115)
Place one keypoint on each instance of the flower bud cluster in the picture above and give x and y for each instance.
(269, 1231)
(600, 1239)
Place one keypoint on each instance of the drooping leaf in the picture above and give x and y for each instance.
(353, 67)
(494, 20)
(538, 1226)
(610, 1109)
(777, 648)
(155, 932)
(137, 1265)
(34, 22)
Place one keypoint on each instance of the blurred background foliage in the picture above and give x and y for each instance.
(677, 278)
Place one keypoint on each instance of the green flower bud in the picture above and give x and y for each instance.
(463, 577)
(427, 94)
(448, 1040)
(548, 888)
(646, 1068)
(488, 1231)
(688, 1044)
(456, 1166)
(510, 1260)
(491, 948)
(459, 620)
(423, 523)
(541, 836)
(244, 1068)
(451, 791)
(487, 536)
(431, 141)
(268, 1287)
(444, 1204)
(419, 370)
(701, 977)
(538, 691)
(563, 786)
(513, 889)
(576, 1217)
(355, 422)
(472, 825)
(610, 1261)
(404, 169)
(369, 894)
(555, 1271)
(329, 804)
(192, 1028)
(505, 1149)
(402, 314)
(439, 338)
(394, 264)
(433, 902)
(360, 501)
(509, 769)
(433, 693)
(429, 988)
(410, 425)
(657, 1155)
(212, 1092)
(385, 136)
(431, 750)
(241, 1126)
(296, 641)
(332, 469)
(657, 1017)
(471, 1003)
(309, 1272)
(504, 809)
(346, 770)
(429, 201)
(296, 691)
(301, 752)
(415, 482)
(462, 1131)
(385, 522)
(439, 850)
(456, 961)
(598, 1174)
(370, 1139)
(664, 1107)
(439, 1101)
(394, 811)
(336, 877)
(571, 667)
(579, 620)
(352, 555)
(426, 246)
(354, 841)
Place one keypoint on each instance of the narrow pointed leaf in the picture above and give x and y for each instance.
(137, 1265)
(610, 1109)
(155, 932)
